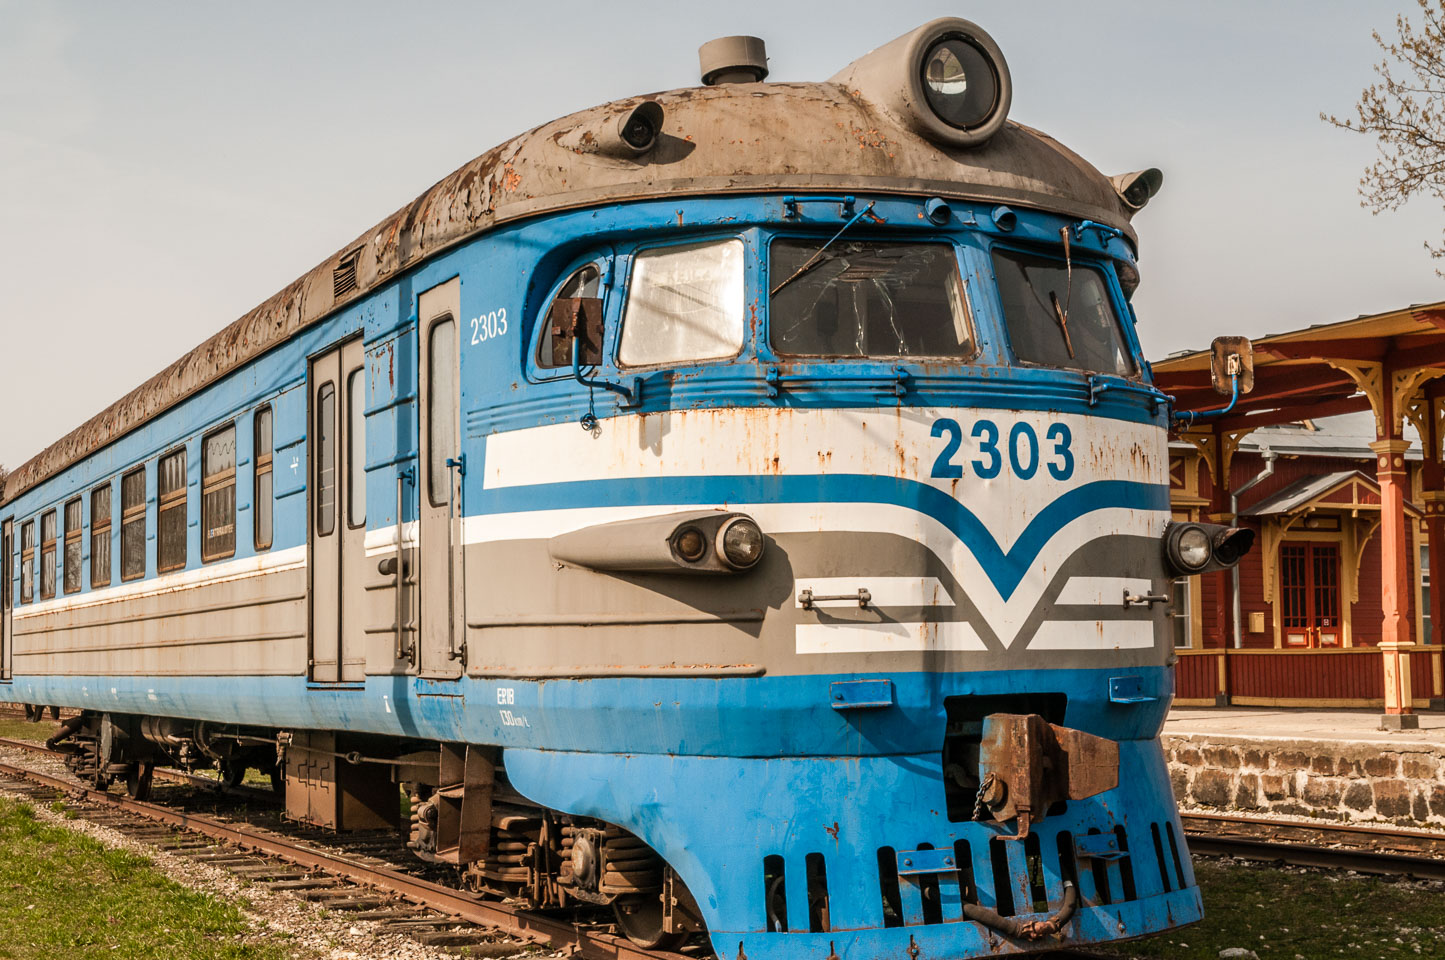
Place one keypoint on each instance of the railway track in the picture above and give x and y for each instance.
(356, 875)
(1380, 851)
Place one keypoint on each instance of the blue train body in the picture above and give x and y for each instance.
(741, 763)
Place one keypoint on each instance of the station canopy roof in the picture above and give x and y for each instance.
(1377, 363)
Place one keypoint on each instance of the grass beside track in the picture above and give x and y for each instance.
(1302, 914)
(63, 894)
(17, 729)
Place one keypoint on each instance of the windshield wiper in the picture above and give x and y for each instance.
(816, 260)
(1061, 311)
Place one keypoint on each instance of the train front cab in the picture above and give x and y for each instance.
(947, 433)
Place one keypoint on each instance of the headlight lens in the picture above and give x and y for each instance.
(1193, 547)
(960, 83)
(740, 543)
(690, 544)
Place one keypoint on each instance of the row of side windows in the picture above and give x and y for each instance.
(218, 516)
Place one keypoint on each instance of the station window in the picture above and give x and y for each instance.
(133, 524)
(1181, 613)
(1059, 317)
(684, 304)
(100, 537)
(74, 531)
(47, 555)
(171, 511)
(585, 281)
(261, 488)
(218, 494)
(867, 299)
(27, 562)
(1425, 625)
(356, 448)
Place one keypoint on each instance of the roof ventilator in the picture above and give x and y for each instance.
(733, 60)
(343, 277)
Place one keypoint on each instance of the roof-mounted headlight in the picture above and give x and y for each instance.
(960, 83)
(948, 80)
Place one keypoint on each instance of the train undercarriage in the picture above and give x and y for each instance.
(452, 800)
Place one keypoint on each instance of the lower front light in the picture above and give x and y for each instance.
(740, 543)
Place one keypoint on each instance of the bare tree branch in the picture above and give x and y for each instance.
(1406, 116)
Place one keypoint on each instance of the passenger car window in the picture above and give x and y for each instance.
(73, 533)
(47, 555)
(585, 281)
(100, 537)
(1058, 322)
(171, 512)
(867, 299)
(683, 304)
(133, 524)
(261, 487)
(27, 562)
(218, 494)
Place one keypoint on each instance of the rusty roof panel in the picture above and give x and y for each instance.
(735, 138)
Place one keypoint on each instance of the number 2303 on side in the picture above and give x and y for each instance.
(489, 326)
(1021, 450)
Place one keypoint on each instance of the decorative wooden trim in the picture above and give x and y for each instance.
(1203, 443)
(1405, 386)
(1341, 702)
(1369, 379)
(1303, 652)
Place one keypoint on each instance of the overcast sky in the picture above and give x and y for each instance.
(166, 167)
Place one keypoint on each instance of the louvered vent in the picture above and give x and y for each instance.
(343, 278)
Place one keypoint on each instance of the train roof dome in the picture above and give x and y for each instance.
(864, 131)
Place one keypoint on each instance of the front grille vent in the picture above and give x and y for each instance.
(343, 278)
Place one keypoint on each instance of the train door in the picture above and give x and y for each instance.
(7, 598)
(1309, 575)
(439, 574)
(337, 499)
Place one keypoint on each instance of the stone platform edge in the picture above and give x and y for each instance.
(1343, 781)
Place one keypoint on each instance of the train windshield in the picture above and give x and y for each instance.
(862, 298)
(1057, 320)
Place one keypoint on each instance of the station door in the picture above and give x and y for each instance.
(1309, 581)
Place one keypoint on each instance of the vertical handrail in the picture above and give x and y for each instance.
(401, 649)
(459, 464)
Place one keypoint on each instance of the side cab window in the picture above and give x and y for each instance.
(551, 351)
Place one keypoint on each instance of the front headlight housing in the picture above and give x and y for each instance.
(1193, 548)
(947, 80)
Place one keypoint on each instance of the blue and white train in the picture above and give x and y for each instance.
(743, 508)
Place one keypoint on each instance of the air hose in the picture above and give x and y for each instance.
(1027, 929)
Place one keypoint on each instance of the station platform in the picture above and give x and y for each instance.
(1336, 765)
(1263, 723)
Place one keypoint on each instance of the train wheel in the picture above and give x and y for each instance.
(639, 916)
(138, 780)
(232, 773)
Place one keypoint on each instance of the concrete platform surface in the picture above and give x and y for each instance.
(1274, 723)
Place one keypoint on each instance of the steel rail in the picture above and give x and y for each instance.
(165, 773)
(557, 934)
(1302, 845)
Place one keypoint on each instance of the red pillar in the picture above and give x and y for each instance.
(1432, 477)
(1223, 617)
(1395, 644)
(1435, 531)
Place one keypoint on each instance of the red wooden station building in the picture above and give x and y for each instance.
(1332, 607)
